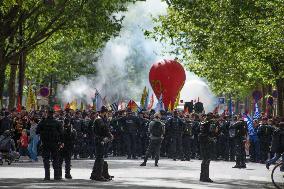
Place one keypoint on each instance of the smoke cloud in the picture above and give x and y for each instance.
(123, 67)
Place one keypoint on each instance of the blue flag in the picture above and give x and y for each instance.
(98, 101)
(256, 112)
(249, 121)
(160, 105)
(146, 101)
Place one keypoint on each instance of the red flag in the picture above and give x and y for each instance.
(132, 105)
(56, 108)
(67, 106)
(186, 110)
(19, 104)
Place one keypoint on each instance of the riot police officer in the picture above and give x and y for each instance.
(175, 130)
(239, 129)
(50, 131)
(131, 125)
(156, 130)
(206, 141)
(187, 138)
(69, 137)
(102, 136)
(77, 124)
(264, 133)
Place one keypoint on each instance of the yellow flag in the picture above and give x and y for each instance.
(30, 103)
(34, 105)
(170, 107)
(177, 101)
(73, 105)
(82, 106)
(143, 98)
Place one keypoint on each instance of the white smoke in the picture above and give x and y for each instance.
(123, 67)
(196, 89)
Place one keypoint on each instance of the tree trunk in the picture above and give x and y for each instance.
(22, 68)
(280, 88)
(3, 67)
(237, 106)
(11, 86)
(264, 92)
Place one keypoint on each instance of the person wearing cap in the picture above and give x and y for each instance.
(187, 138)
(102, 136)
(131, 125)
(143, 134)
(51, 133)
(69, 136)
(157, 132)
(206, 142)
(175, 128)
(239, 137)
(264, 133)
(78, 125)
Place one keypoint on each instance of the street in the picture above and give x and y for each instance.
(128, 174)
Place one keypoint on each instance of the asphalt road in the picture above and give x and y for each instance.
(129, 175)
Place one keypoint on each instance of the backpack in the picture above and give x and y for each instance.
(5, 143)
(157, 129)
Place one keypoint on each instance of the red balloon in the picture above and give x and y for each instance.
(167, 77)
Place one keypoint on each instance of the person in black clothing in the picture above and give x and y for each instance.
(264, 132)
(91, 136)
(77, 123)
(157, 131)
(195, 150)
(175, 128)
(51, 133)
(187, 138)
(240, 128)
(69, 136)
(131, 125)
(102, 136)
(206, 141)
(5, 123)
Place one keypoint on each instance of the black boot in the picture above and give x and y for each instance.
(105, 172)
(46, 169)
(57, 174)
(156, 163)
(97, 173)
(206, 175)
(143, 164)
(47, 175)
(68, 176)
(202, 176)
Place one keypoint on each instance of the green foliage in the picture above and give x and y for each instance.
(236, 45)
(61, 37)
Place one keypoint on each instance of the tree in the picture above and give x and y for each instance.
(26, 24)
(236, 45)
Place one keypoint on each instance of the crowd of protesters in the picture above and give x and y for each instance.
(131, 136)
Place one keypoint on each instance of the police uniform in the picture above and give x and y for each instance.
(187, 140)
(156, 130)
(50, 132)
(69, 136)
(239, 138)
(102, 136)
(175, 130)
(206, 141)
